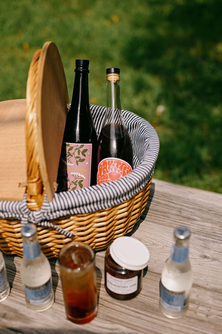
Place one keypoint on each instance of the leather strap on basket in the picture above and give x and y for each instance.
(35, 191)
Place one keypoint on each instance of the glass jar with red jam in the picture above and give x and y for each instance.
(124, 263)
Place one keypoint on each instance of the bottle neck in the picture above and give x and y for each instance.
(79, 114)
(113, 113)
(180, 250)
(31, 247)
(80, 91)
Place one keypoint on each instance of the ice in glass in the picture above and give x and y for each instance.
(78, 276)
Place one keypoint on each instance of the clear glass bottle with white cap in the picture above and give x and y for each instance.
(35, 272)
(4, 286)
(124, 263)
(176, 278)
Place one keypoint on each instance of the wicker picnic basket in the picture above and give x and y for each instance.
(94, 215)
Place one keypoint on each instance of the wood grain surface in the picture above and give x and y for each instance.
(168, 206)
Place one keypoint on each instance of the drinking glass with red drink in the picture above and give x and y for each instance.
(78, 276)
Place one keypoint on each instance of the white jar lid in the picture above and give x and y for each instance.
(129, 253)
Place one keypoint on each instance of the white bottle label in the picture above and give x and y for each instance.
(173, 301)
(3, 279)
(121, 286)
(39, 295)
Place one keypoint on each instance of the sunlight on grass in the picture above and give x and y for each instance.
(169, 53)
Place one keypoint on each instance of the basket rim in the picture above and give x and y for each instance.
(109, 194)
(97, 197)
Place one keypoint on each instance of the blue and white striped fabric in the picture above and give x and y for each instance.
(146, 148)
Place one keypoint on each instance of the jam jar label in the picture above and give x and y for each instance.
(121, 286)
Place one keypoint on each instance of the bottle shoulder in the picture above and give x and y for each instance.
(35, 272)
(183, 266)
(41, 259)
(80, 128)
(114, 141)
(173, 271)
(177, 276)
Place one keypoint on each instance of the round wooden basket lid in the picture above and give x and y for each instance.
(51, 105)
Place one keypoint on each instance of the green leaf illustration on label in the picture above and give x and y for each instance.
(76, 181)
(76, 170)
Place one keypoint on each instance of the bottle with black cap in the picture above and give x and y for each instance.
(78, 162)
(176, 278)
(115, 152)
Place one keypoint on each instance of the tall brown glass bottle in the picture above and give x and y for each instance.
(115, 153)
(78, 163)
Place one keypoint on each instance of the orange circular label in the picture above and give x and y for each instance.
(112, 169)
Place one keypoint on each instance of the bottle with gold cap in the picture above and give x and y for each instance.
(115, 152)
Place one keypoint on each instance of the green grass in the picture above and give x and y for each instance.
(170, 56)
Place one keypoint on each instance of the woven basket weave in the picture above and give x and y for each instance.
(98, 228)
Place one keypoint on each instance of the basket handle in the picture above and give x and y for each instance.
(35, 189)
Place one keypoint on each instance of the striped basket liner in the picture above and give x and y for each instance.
(95, 215)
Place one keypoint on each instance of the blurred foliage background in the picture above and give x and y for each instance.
(170, 56)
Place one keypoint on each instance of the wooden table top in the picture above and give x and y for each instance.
(168, 206)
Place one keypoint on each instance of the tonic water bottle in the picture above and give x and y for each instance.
(176, 278)
(35, 271)
(4, 286)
